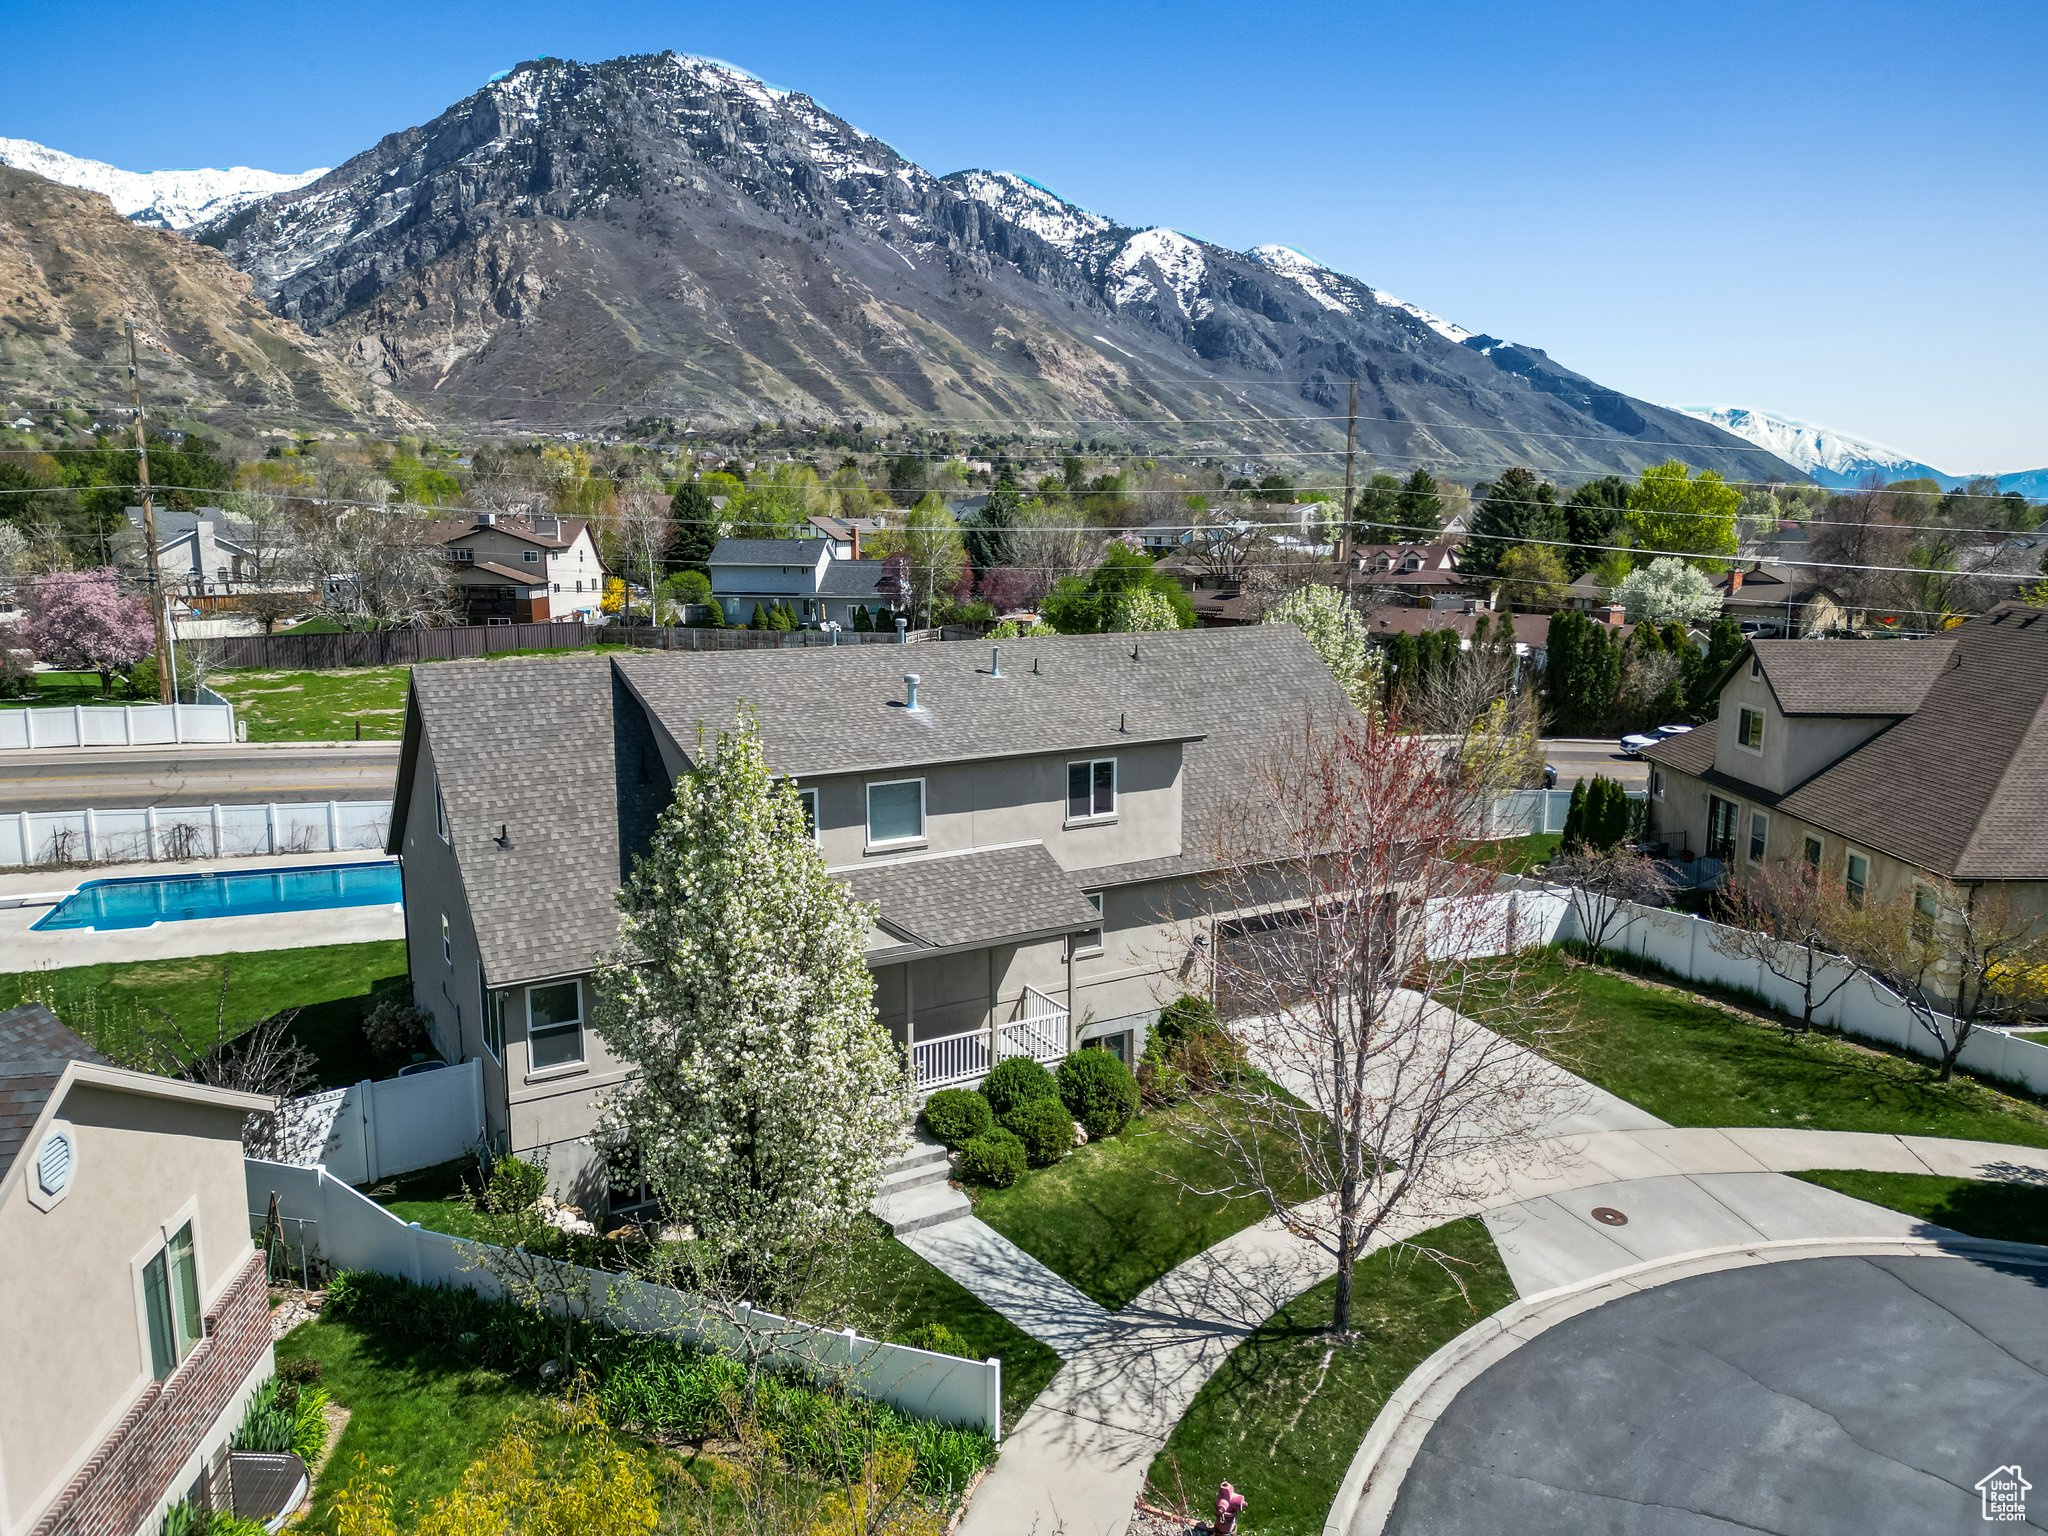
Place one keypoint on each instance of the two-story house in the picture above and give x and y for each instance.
(1031, 823)
(137, 1316)
(819, 584)
(524, 568)
(1892, 766)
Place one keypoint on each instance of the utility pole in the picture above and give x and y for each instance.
(1350, 452)
(159, 616)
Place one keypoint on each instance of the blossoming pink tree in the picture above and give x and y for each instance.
(81, 621)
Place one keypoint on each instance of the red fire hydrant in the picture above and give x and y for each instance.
(1229, 1505)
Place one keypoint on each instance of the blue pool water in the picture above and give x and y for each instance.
(151, 899)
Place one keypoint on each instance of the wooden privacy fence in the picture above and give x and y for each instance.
(400, 647)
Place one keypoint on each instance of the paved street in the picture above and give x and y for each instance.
(1822, 1396)
(108, 778)
(1580, 757)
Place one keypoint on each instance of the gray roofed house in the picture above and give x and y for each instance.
(1885, 763)
(813, 576)
(34, 1051)
(1030, 837)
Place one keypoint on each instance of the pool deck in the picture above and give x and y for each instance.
(26, 894)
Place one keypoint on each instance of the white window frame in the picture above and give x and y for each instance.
(1759, 831)
(1093, 817)
(440, 810)
(159, 1246)
(810, 798)
(447, 941)
(1849, 861)
(914, 839)
(1817, 849)
(1656, 783)
(1743, 716)
(570, 1064)
(1079, 947)
(529, 557)
(490, 1017)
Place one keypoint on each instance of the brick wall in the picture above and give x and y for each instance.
(130, 1474)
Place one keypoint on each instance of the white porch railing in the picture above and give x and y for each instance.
(952, 1061)
(949, 1061)
(1040, 1031)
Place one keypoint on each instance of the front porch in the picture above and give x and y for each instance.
(1036, 1026)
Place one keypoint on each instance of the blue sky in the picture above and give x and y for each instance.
(1831, 210)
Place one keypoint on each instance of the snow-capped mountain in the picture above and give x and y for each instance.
(1834, 459)
(1067, 228)
(160, 199)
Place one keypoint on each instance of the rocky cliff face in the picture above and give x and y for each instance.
(577, 245)
(72, 270)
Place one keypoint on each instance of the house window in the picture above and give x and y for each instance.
(1089, 940)
(1720, 828)
(493, 1017)
(1856, 878)
(1811, 853)
(447, 941)
(1749, 730)
(808, 799)
(1118, 1045)
(530, 556)
(895, 812)
(1091, 790)
(440, 810)
(1926, 911)
(554, 1025)
(1656, 783)
(1756, 665)
(170, 1302)
(1759, 825)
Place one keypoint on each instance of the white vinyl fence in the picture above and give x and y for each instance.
(116, 725)
(1532, 812)
(156, 832)
(373, 1130)
(343, 1228)
(1684, 945)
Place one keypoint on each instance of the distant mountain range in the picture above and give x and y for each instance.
(580, 246)
(160, 199)
(1841, 462)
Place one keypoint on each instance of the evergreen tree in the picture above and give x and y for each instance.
(759, 619)
(1422, 506)
(988, 537)
(1574, 837)
(696, 528)
(863, 621)
(1582, 674)
(1516, 507)
(1376, 513)
(1595, 520)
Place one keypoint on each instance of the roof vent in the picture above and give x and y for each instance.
(56, 1162)
(995, 661)
(910, 682)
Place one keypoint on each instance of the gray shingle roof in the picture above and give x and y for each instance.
(1845, 677)
(556, 749)
(766, 552)
(34, 1051)
(851, 578)
(976, 898)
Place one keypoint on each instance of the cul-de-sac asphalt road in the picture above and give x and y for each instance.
(1822, 1397)
(118, 777)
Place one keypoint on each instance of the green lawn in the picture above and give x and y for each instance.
(332, 986)
(1518, 855)
(1116, 1215)
(1287, 1411)
(2014, 1213)
(317, 706)
(70, 688)
(1695, 1064)
(433, 1197)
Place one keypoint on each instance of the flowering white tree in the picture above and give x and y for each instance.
(768, 1096)
(1334, 628)
(1140, 609)
(1669, 591)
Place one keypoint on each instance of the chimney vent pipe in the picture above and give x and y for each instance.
(910, 682)
(995, 661)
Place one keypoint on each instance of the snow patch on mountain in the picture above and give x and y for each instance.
(161, 199)
(1311, 277)
(1832, 458)
(1063, 225)
(1444, 328)
(1155, 256)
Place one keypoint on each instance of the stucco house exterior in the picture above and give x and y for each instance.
(137, 1321)
(1892, 766)
(523, 568)
(810, 574)
(1032, 835)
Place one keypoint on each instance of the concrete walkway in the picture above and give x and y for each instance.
(1076, 1461)
(1011, 1281)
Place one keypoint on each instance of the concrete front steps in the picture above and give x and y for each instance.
(914, 1194)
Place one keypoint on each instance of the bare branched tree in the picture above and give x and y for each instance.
(377, 568)
(1601, 885)
(1961, 958)
(1366, 1007)
(1791, 922)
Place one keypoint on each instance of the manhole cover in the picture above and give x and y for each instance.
(1608, 1216)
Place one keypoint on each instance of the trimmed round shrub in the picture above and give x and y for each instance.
(1019, 1080)
(1186, 1016)
(994, 1158)
(1045, 1128)
(956, 1116)
(1099, 1091)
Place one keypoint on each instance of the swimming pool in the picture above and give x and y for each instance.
(146, 900)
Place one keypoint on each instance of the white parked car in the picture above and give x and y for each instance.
(1674, 730)
(1632, 746)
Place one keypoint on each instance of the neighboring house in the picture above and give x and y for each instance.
(137, 1320)
(524, 568)
(1780, 600)
(842, 533)
(1027, 835)
(820, 586)
(202, 551)
(1413, 573)
(1532, 631)
(1885, 764)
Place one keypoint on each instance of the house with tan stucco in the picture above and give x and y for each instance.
(137, 1316)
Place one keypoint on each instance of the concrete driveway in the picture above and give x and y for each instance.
(1821, 1397)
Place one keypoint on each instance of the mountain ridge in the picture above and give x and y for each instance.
(1839, 461)
(179, 200)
